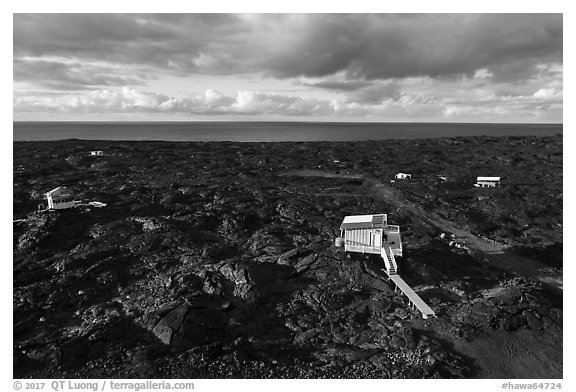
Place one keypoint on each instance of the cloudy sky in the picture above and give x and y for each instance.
(311, 67)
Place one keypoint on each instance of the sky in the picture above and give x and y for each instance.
(289, 67)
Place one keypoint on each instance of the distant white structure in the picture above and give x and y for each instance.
(97, 204)
(60, 198)
(490, 182)
(403, 176)
(442, 178)
(96, 153)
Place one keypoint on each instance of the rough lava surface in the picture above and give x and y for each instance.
(216, 260)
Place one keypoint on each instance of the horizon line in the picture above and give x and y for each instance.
(285, 121)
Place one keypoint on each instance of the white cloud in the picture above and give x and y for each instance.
(483, 74)
(546, 93)
(407, 104)
(127, 99)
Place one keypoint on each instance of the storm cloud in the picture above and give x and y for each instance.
(365, 46)
(392, 46)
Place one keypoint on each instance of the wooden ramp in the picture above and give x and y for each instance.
(414, 298)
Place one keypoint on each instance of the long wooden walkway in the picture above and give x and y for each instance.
(414, 298)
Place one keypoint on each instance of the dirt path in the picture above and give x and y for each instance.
(523, 353)
(517, 351)
(494, 253)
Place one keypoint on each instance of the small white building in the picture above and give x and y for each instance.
(442, 178)
(370, 234)
(60, 198)
(97, 153)
(490, 182)
(96, 204)
(403, 176)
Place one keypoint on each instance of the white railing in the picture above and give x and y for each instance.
(389, 260)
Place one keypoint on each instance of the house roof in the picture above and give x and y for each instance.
(60, 191)
(488, 179)
(364, 222)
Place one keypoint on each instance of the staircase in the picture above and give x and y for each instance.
(389, 260)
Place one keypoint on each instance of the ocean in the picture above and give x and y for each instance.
(267, 131)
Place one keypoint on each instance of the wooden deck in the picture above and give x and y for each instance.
(414, 298)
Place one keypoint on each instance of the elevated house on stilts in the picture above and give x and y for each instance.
(372, 234)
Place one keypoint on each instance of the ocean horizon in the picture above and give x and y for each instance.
(245, 131)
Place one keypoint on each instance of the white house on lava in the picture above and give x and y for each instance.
(97, 153)
(373, 234)
(403, 176)
(490, 182)
(369, 234)
(60, 198)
